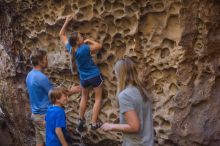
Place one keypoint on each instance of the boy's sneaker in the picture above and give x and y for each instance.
(95, 126)
(81, 125)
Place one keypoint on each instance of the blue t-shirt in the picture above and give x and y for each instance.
(85, 65)
(38, 86)
(55, 118)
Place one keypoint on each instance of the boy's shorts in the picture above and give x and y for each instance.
(94, 82)
(39, 125)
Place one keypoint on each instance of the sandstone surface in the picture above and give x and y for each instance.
(175, 44)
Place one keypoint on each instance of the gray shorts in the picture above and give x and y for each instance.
(39, 125)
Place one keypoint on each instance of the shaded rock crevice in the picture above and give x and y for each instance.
(195, 122)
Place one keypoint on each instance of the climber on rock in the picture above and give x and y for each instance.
(89, 74)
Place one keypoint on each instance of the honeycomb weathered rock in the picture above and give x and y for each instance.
(174, 43)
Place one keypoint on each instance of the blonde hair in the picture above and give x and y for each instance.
(126, 74)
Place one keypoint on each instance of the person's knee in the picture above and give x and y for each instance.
(98, 101)
(84, 98)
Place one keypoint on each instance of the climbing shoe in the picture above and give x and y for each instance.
(96, 125)
(81, 125)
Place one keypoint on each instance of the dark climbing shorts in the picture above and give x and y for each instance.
(94, 82)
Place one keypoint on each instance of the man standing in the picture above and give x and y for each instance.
(38, 86)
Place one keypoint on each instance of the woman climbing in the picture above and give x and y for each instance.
(136, 122)
(89, 74)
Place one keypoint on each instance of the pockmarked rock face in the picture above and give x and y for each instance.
(174, 43)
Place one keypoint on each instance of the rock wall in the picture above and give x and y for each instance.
(196, 119)
(174, 43)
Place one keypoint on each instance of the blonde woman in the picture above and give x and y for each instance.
(136, 122)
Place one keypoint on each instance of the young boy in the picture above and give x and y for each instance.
(56, 117)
